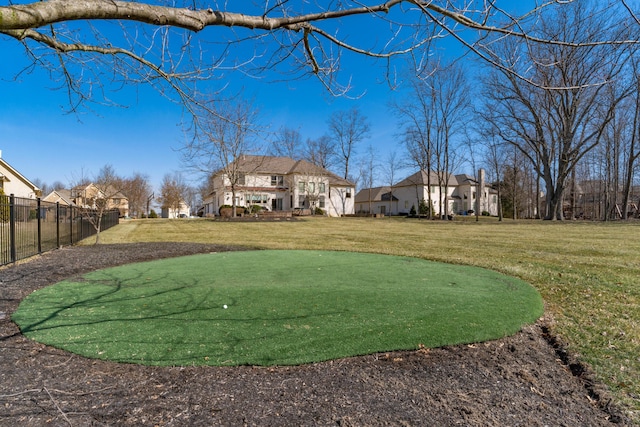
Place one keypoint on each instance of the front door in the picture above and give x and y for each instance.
(276, 204)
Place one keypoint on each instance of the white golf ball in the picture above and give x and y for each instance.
(225, 306)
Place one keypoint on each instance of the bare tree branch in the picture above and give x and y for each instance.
(305, 37)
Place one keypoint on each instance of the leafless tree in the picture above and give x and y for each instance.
(368, 172)
(417, 130)
(43, 186)
(417, 140)
(433, 116)
(287, 142)
(313, 189)
(84, 43)
(94, 197)
(221, 139)
(495, 157)
(555, 122)
(604, 178)
(513, 189)
(391, 166)
(633, 151)
(137, 189)
(173, 192)
(347, 129)
(630, 141)
(320, 151)
(612, 147)
(449, 95)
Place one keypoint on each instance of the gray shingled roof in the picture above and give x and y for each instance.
(377, 194)
(275, 165)
(420, 178)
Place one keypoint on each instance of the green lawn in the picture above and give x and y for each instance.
(274, 307)
(587, 272)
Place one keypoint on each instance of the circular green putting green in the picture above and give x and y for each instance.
(274, 308)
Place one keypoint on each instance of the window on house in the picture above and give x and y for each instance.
(301, 201)
(348, 195)
(433, 189)
(321, 188)
(241, 179)
(321, 202)
(253, 198)
(302, 186)
(277, 180)
(312, 187)
(473, 195)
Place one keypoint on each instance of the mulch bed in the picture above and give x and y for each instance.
(526, 379)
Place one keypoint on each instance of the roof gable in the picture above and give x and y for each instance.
(9, 170)
(422, 178)
(373, 194)
(275, 165)
(59, 196)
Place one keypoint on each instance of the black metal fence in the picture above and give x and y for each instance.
(30, 226)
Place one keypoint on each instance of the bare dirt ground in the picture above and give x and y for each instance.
(524, 380)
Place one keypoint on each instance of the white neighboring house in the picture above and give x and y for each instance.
(12, 182)
(281, 184)
(377, 200)
(460, 197)
(182, 211)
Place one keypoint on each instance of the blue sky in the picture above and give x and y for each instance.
(40, 139)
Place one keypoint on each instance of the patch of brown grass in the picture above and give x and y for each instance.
(588, 273)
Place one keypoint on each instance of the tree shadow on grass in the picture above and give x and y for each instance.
(138, 320)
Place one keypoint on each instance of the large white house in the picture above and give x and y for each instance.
(279, 184)
(12, 182)
(449, 194)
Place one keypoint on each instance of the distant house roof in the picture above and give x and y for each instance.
(110, 191)
(421, 178)
(59, 196)
(466, 179)
(375, 194)
(275, 165)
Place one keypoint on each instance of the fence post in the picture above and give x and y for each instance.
(39, 219)
(58, 225)
(71, 227)
(12, 227)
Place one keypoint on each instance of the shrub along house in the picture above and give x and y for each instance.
(279, 184)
